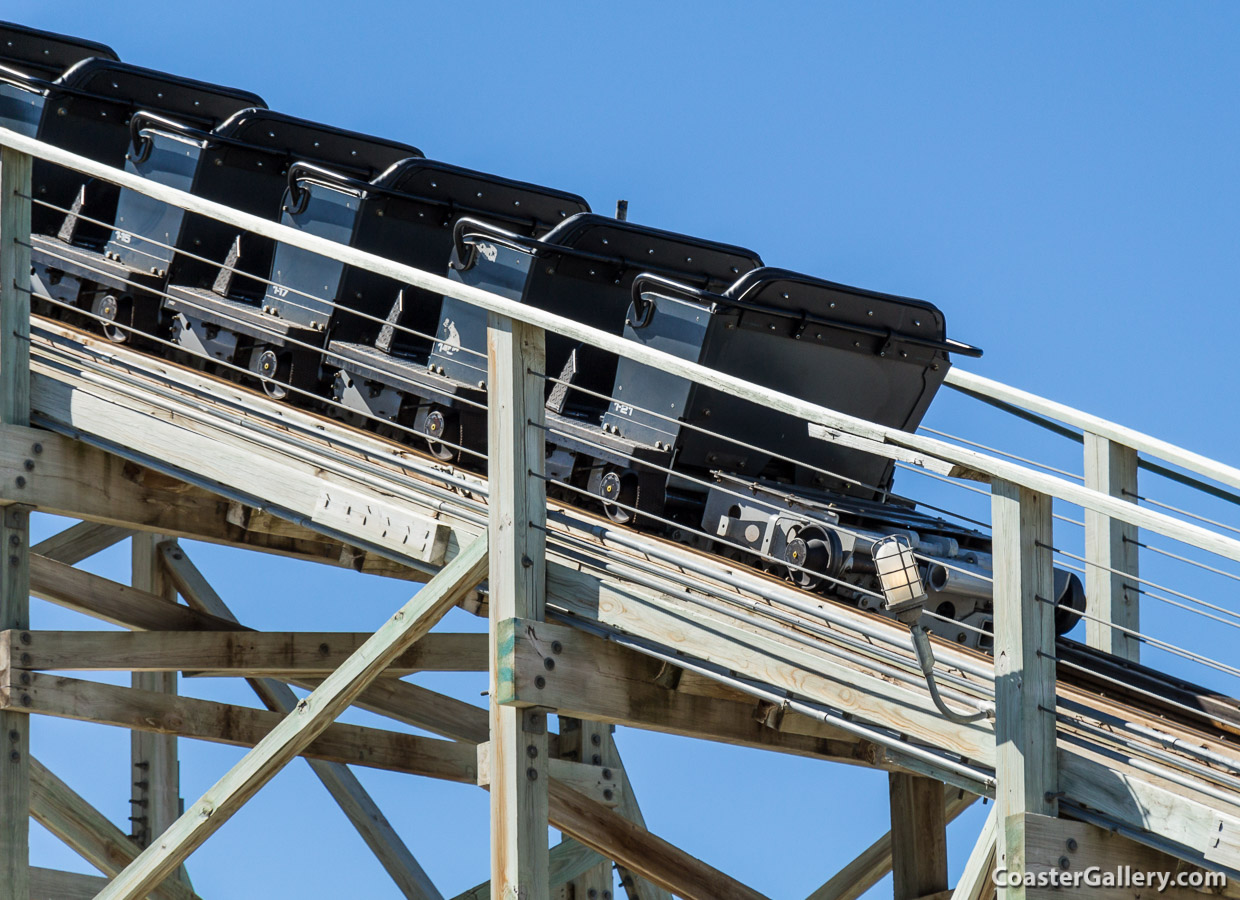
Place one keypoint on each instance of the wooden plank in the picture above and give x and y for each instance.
(568, 860)
(874, 863)
(84, 482)
(353, 799)
(600, 783)
(1025, 760)
(298, 730)
(1063, 851)
(1110, 598)
(767, 658)
(285, 654)
(918, 836)
(975, 881)
(15, 521)
(583, 741)
(63, 812)
(52, 884)
(517, 515)
(637, 849)
(155, 769)
(116, 603)
(155, 712)
(595, 679)
(1119, 434)
(80, 541)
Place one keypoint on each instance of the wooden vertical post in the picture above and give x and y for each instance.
(1110, 597)
(15, 520)
(589, 742)
(156, 795)
(918, 836)
(517, 582)
(1025, 764)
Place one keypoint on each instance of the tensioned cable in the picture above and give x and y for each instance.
(405, 329)
(1191, 562)
(1183, 512)
(998, 452)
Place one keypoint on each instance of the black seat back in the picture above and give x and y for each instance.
(244, 164)
(45, 54)
(87, 111)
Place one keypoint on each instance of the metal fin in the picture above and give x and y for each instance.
(383, 343)
(559, 391)
(68, 228)
(223, 281)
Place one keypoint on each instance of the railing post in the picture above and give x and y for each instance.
(15, 524)
(517, 582)
(1111, 599)
(1025, 763)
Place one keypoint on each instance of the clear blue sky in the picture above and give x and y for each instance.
(1060, 178)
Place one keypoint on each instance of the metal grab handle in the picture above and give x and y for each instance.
(142, 144)
(467, 253)
(301, 171)
(645, 308)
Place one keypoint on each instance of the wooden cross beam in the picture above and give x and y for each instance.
(80, 541)
(311, 716)
(353, 799)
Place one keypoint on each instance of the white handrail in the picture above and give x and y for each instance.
(890, 443)
(1139, 441)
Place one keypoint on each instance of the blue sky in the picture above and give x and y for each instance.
(1060, 178)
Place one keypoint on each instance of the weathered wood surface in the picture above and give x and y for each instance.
(568, 859)
(1024, 646)
(595, 679)
(517, 515)
(600, 783)
(52, 884)
(874, 863)
(1069, 849)
(155, 712)
(298, 730)
(63, 812)
(15, 520)
(975, 881)
(918, 836)
(1110, 598)
(79, 542)
(246, 653)
(352, 798)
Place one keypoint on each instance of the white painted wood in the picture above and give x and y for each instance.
(890, 443)
(1110, 598)
(353, 799)
(1125, 437)
(15, 520)
(518, 588)
(972, 884)
(294, 733)
(1025, 732)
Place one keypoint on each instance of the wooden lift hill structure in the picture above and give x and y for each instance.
(1090, 760)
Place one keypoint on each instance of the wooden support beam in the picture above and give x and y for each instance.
(568, 859)
(976, 882)
(80, 541)
(297, 731)
(595, 679)
(116, 603)
(1025, 728)
(83, 482)
(583, 741)
(918, 836)
(517, 514)
(637, 849)
(353, 799)
(875, 862)
(15, 520)
(285, 654)
(1059, 852)
(155, 712)
(1110, 598)
(155, 770)
(601, 784)
(52, 884)
(59, 809)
